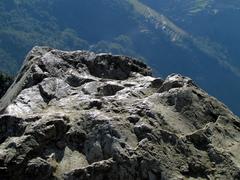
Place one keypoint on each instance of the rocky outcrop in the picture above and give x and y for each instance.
(80, 115)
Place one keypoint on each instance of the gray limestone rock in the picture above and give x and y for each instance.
(38, 169)
(79, 115)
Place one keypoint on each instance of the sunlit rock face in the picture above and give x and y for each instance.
(80, 115)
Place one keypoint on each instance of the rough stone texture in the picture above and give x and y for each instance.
(80, 115)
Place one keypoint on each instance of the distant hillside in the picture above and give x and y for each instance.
(215, 20)
(159, 32)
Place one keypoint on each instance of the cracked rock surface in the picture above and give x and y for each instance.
(80, 115)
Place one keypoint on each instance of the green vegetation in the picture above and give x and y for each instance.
(5, 82)
(22, 26)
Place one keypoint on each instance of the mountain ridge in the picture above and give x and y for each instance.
(80, 115)
(123, 27)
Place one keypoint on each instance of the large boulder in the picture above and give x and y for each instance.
(80, 115)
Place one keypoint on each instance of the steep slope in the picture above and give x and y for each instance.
(81, 115)
(127, 27)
